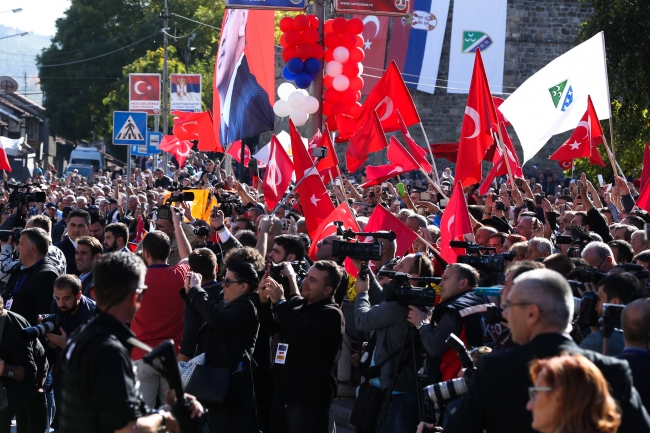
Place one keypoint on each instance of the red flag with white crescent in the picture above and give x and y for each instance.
(375, 35)
(278, 174)
(455, 225)
(179, 148)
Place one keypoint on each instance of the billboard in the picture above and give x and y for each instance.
(144, 93)
(185, 92)
(278, 5)
(372, 7)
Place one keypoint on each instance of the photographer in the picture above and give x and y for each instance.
(613, 289)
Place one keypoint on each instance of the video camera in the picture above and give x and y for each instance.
(202, 231)
(164, 212)
(230, 204)
(450, 389)
(20, 196)
(490, 267)
(400, 290)
(578, 244)
(15, 233)
(365, 251)
(50, 323)
(299, 267)
(579, 276)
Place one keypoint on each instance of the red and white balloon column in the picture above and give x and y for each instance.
(344, 54)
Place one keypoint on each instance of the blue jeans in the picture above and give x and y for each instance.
(402, 415)
(51, 406)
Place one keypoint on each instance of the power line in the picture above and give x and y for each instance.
(198, 22)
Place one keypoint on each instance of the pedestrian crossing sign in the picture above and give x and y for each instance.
(129, 127)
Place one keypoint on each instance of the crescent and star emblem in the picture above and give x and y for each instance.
(135, 87)
(389, 108)
(372, 19)
(584, 124)
(187, 149)
(450, 222)
(477, 121)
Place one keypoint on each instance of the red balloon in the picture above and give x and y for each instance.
(329, 55)
(283, 41)
(327, 28)
(355, 25)
(350, 69)
(356, 83)
(332, 40)
(327, 108)
(331, 123)
(349, 40)
(340, 25)
(293, 38)
(355, 109)
(301, 23)
(332, 95)
(313, 21)
(286, 24)
(303, 51)
(288, 53)
(340, 108)
(317, 51)
(310, 36)
(356, 55)
(349, 96)
(327, 81)
(360, 41)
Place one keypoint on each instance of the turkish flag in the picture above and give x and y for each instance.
(144, 93)
(479, 122)
(645, 169)
(179, 148)
(401, 161)
(370, 138)
(643, 202)
(455, 225)
(389, 95)
(417, 152)
(587, 135)
(314, 200)
(140, 232)
(4, 161)
(235, 151)
(375, 34)
(565, 165)
(196, 126)
(327, 228)
(382, 219)
(499, 167)
(449, 151)
(278, 174)
(331, 160)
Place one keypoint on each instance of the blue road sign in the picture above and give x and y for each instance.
(153, 141)
(139, 150)
(129, 127)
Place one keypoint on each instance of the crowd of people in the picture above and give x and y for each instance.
(112, 266)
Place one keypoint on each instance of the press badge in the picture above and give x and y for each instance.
(8, 304)
(281, 353)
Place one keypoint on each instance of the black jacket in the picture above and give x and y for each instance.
(314, 334)
(228, 338)
(497, 396)
(35, 290)
(640, 365)
(68, 251)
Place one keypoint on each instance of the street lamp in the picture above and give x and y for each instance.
(17, 34)
(13, 10)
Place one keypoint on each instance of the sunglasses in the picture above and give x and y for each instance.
(227, 282)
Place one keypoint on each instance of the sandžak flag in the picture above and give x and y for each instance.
(278, 174)
(555, 98)
(314, 200)
(479, 122)
(417, 152)
(455, 225)
(587, 135)
(370, 138)
(327, 228)
(401, 161)
(179, 148)
(196, 126)
(235, 151)
(389, 95)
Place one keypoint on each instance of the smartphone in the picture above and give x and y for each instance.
(566, 191)
(337, 182)
(562, 208)
(538, 199)
(501, 206)
(444, 202)
(425, 196)
(400, 189)
(509, 193)
(601, 182)
(519, 182)
(384, 185)
(421, 211)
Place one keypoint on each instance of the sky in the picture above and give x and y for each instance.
(38, 16)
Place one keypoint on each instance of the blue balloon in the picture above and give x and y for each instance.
(313, 76)
(287, 75)
(313, 65)
(295, 65)
(303, 80)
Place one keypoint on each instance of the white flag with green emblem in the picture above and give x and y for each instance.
(554, 99)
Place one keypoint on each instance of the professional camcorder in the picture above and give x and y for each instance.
(164, 212)
(400, 290)
(230, 204)
(490, 267)
(201, 231)
(20, 197)
(351, 247)
(577, 244)
(5, 234)
(579, 276)
(445, 391)
(299, 267)
(50, 323)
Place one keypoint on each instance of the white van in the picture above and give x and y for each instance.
(84, 155)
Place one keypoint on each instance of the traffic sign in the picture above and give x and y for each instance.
(139, 150)
(153, 141)
(129, 127)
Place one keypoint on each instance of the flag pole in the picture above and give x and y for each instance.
(505, 156)
(433, 160)
(611, 120)
(435, 185)
(612, 159)
(338, 202)
(286, 196)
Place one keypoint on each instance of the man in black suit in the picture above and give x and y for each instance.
(538, 309)
(636, 330)
(89, 249)
(30, 287)
(59, 228)
(78, 223)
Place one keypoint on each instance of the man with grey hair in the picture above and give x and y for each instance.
(539, 248)
(599, 255)
(539, 309)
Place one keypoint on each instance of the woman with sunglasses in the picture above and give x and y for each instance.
(228, 338)
(571, 396)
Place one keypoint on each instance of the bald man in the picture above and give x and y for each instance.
(635, 321)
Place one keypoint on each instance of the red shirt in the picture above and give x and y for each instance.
(160, 316)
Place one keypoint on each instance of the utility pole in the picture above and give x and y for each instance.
(165, 15)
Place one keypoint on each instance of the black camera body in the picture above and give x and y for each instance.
(445, 391)
(299, 267)
(201, 231)
(588, 314)
(490, 268)
(364, 251)
(231, 205)
(400, 290)
(610, 319)
(5, 234)
(494, 315)
(164, 212)
(50, 323)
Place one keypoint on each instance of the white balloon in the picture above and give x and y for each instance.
(304, 92)
(334, 69)
(311, 105)
(285, 89)
(360, 68)
(341, 83)
(299, 117)
(341, 54)
(296, 99)
(281, 108)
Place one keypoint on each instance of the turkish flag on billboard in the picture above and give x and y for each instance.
(389, 95)
(278, 174)
(479, 122)
(235, 151)
(585, 137)
(455, 225)
(196, 126)
(370, 138)
(382, 219)
(375, 34)
(417, 152)
(144, 93)
(399, 8)
(314, 200)
(179, 148)
(327, 228)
